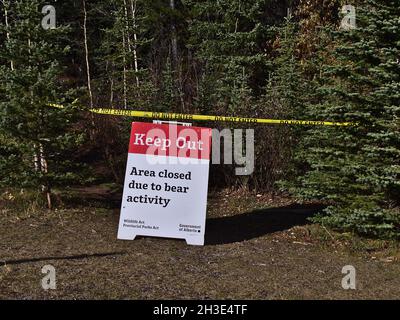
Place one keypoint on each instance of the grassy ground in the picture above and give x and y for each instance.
(257, 247)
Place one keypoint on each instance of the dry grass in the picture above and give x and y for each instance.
(258, 247)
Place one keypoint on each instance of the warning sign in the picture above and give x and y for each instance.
(166, 182)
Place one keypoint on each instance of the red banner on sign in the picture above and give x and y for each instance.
(170, 140)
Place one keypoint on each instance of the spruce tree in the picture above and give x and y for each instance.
(357, 169)
(229, 39)
(40, 140)
(286, 94)
(286, 87)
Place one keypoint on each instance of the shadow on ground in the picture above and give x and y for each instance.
(257, 223)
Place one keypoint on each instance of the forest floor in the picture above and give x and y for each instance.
(257, 247)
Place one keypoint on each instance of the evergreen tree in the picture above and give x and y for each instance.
(230, 40)
(40, 140)
(287, 91)
(357, 169)
(286, 87)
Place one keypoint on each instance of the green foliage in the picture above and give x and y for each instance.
(367, 221)
(231, 42)
(37, 140)
(211, 57)
(285, 97)
(229, 38)
(119, 53)
(357, 169)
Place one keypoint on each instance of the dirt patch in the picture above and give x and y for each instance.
(257, 247)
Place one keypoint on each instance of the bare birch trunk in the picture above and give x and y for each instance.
(43, 165)
(111, 92)
(111, 84)
(89, 82)
(36, 160)
(7, 26)
(39, 156)
(127, 48)
(135, 57)
(128, 37)
(175, 66)
(124, 74)
(174, 41)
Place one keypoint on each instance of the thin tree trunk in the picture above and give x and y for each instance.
(111, 84)
(36, 153)
(40, 161)
(124, 72)
(7, 27)
(89, 82)
(174, 41)
(128, 37)
(135, 58)
(36, 161)
(111, 92)
(43, 164)
(237, 19)
(289, 13)
(177, 72)
(128, 45)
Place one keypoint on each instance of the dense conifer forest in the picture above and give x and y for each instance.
(320, 60)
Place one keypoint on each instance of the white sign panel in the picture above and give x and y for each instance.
(166, 182)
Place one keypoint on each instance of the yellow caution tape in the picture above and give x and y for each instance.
(198, 117)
